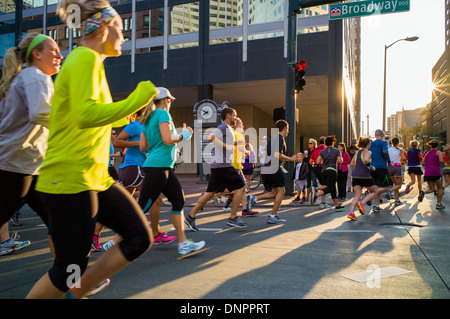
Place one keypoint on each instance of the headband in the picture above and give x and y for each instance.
(94, 21)
(36, 41)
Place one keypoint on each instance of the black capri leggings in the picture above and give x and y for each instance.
(17, 190)
(330, 177)
(72, 219)
(161, 180)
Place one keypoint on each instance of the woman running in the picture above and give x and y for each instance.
(74, 183)
(361, 177)
(414, 158)
(396, 155)
(159, 138)
(25, 106)
(432, 162)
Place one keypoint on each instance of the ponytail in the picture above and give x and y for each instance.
(11, 67)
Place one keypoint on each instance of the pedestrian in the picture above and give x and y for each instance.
(396, 155)
(299, 176)
(223, 174)
(351, 150)
(130, 171)
(311, 179)
(361, 177)
(446, 165)
(113, 155)
(275, 180)
(380, 162)
(159, 138)
(343, 171)
(262, 153)
(25, 107)
(414, 158)
(74, 183)
(331, 157)
(317, 168)
(248, 165)
(432, 162)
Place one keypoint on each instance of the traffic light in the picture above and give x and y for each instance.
(300, 76)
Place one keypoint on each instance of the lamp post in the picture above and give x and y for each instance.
(410, 39)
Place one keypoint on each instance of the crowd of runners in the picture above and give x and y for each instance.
(57, 154)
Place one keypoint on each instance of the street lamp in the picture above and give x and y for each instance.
(410, 39)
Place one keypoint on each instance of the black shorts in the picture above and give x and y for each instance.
(131, 176)
(318, 171)
(380, 177)
(432, 178)
(363, 182)
(274, 180)
(415, 170)
(113, 172)
(224, 178)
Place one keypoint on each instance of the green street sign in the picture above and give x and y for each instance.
(366, 8)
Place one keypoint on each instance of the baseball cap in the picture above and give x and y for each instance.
(163, 93)
(379, 132)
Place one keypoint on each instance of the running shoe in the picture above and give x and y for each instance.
(376, 209)
(227, 209)
(338, 208)
(251, 201)
(388, 194)
(246, 213)
(190, 222)
(108, 245)
(397, 202)
(236, 222)
(440, 206)
(408, 189)
(188, 247)
(296, 199)
(360, 208)
(5, 251)
(14, 244)
(421, 196)
(99, 287)
(95, 246)
(275, 219)
(352, 216)
(163, 239)
(324, 205)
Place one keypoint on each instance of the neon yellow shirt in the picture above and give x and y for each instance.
(238, 155)
(80, 125)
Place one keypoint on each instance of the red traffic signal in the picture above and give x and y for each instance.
(301, 65)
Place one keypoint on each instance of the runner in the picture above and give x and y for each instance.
(159, 138)
(396, 156)
(275, 180)
(446, 168)
(311, 179)
(380, 161)
(414, 158)
(25, 107)
(331, 157)
(361, 177)
(223, 174)
(74, 183)
(432, 162)
(317, 169)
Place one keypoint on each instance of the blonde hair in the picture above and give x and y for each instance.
(14, 60)
(311, 140)
(149, 109)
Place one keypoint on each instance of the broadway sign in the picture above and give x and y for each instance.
(365, 8)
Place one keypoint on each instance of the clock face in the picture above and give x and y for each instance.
(207, 112)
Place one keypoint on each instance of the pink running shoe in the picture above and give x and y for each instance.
(360, 207)
(352, 216)
(95, 246)
(163, 239)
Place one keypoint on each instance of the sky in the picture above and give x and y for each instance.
(409, 64)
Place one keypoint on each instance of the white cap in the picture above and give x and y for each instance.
(163, 93)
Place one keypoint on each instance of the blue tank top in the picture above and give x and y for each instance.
(361, 170)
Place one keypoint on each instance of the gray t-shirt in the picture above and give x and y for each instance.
(24, 119)
(222, 157)
(329, 156)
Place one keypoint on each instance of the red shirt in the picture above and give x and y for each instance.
(315, 153)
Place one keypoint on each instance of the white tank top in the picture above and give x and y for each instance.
(394, 155)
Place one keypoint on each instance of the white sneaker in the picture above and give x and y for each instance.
(108, 245)
(227, 209)
(189, 247)
(15, 245)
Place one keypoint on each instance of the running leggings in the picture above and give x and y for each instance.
(16, 190)
(72, 219)
(161, 180)
(330, 177)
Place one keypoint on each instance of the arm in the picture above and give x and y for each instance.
(86, 85)
(213, 139)
(121, 140)
(143, 143)
(345, 158)
(385, 153)
(339, 160)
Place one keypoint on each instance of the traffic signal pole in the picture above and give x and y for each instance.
(295, 7)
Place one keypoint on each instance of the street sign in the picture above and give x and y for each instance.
(366, 8)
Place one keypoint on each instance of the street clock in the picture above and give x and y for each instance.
(207, 111)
